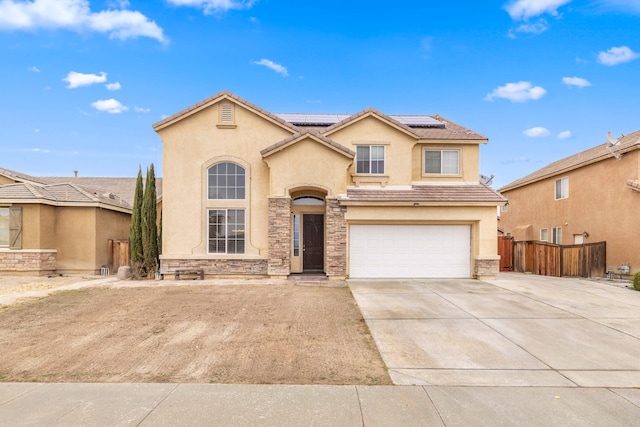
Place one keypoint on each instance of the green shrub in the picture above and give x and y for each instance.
(636, 281)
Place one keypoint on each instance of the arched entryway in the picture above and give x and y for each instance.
(308, 231)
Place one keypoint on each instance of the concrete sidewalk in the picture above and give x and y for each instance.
(36, 404)
(520, 350)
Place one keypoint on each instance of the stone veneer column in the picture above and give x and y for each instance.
(279, 236)
(336, 244)
(487, 267)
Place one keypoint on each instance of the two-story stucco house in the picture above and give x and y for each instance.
(591, 196)
(249, 192)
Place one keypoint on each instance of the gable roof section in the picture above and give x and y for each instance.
(430, 194)
(370, 112)
(217, 98)
(21, 177)
(301, 136)
(584, 158)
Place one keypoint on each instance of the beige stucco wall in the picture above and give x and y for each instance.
(193, 144)
(599, 203)
(308, 164)
(5, 180)
(38, 226)
(373, 131)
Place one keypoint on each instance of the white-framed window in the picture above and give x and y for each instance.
(544, 234)
(556, 235)
(562, 188)
(226, 231)
(4, 227)
(442, 162)
(370, 159)
(226, 181)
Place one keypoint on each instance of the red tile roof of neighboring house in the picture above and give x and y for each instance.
(601, 152)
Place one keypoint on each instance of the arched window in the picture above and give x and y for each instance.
(226, 181)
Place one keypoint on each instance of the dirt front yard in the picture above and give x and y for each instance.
(276, 334)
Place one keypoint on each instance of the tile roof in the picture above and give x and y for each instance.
(215, 97)
(413, 124)
(58, 194)
(635, 185)
(466, 193)
(19, 176)
(124, 188)
(300, 135)
(601, 152)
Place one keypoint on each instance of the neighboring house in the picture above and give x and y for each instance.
(591, 196)
(55, 225)
(249, 192)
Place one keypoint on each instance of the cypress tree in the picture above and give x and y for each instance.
(135, 230)
(149, 224)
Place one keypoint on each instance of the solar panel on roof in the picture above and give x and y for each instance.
(304, 119)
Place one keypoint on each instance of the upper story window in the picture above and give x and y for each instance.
(544, 234)
(4, 226)
(562, 188)
(442, 162)
(370, 159)
(226, 181)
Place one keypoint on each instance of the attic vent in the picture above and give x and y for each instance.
(226, 114)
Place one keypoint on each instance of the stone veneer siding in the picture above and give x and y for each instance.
(213, 267)
(486, 267)
(279, 236)
(336, 242)
(28, 261)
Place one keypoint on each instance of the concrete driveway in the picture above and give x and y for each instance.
(518, 330)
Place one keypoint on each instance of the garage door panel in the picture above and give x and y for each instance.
(406, 251)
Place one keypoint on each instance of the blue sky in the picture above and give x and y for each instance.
(81, 82)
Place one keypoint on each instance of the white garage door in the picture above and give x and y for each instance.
(405, 251)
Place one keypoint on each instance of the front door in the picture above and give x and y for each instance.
(313, 242)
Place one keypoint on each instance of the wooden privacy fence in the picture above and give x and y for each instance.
(118, 254)
(548, 259)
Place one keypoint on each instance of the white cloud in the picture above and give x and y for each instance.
(110, 106)
(576, 81)
(76, 15)
(517, 92)
(141, 110)
(617, 55)
(213, 6)
(272, 65)
(75, 79)
(537, 132)
(565, 135)
(114, 86)
(36, 150)
(538, 27)
(521, 10)
(34, 69)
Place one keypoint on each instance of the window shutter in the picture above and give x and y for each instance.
(15, 227)
(227, 114)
